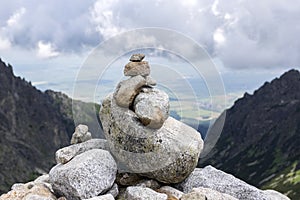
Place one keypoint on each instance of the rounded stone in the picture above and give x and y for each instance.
(152, 108)
(168, 154)
(85, 176)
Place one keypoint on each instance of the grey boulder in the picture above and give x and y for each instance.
(168, 154)
(210, 177)
(65, 154)
(85, 176)
(152, 108)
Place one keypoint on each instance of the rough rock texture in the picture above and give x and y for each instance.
(137, 68)
(143, 193)
(85, 176)
(29, 191)
(152, 108)
(168, 154)
(213, 194)
(209, 177)
(81, 134)
(45, 180)
(137, 57)
(193, 196)
(275, 195)
(114, 190)
(65, 154)
(102, 197)
(171, 192)
(127, 90)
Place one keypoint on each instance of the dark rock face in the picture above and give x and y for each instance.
(261, 136)
(33, 125)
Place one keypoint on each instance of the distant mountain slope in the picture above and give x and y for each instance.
(33, 125)
(260, 141)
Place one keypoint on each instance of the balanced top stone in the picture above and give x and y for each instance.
(137, 57)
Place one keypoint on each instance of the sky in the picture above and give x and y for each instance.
(250, 42)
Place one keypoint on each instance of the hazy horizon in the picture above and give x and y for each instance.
(47, 43)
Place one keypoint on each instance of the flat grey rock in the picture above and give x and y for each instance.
(137, 57)
(137, 68)
(85, 176)
(65, 154)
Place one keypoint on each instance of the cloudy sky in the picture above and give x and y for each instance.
(47, 41)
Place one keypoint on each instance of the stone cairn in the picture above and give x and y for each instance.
(146, 155)
(141, 135)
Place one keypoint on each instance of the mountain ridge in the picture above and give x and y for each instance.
(261, 136)
(33, 125)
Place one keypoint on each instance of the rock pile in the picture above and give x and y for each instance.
(159, 152)
(141, 135)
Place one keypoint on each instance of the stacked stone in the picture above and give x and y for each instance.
(141, 135)
(137, 93)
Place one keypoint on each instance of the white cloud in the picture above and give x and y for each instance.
(262, 35)
(46, 50)
(4, 43)
(189, 3)
(15, 18)
(104, 18)
(214, 8)
(219, 37)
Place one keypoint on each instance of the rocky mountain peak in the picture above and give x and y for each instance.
(260, 140)
(33, 125)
